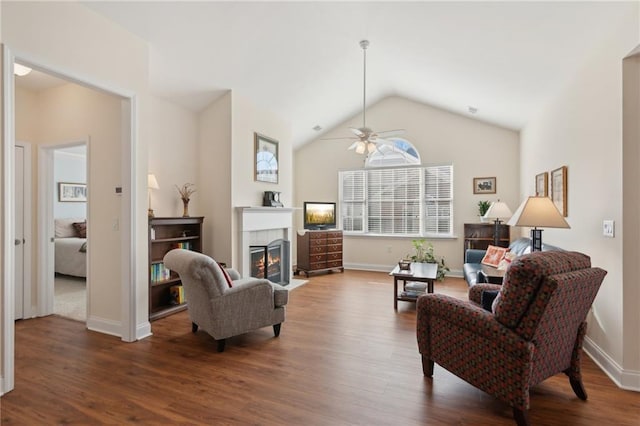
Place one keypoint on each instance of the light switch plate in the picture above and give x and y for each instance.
(608, 228)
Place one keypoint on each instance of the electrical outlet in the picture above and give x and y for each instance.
(116, 224)
(389, 249)
(608, 228)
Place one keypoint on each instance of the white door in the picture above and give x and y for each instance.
(19, 227)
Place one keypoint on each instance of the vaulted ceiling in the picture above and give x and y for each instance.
(302, 60)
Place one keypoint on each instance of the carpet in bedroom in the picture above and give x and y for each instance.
(70, 299)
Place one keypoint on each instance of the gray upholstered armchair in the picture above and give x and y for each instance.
(222, 303)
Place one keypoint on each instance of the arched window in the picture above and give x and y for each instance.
(400, 152)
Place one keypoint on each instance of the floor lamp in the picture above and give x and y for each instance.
(497, 211)
(152, 183)
(538, 212)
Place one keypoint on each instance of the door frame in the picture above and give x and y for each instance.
(132, 314)
(46, 252)
(27, 302)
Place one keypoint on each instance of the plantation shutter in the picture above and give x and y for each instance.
(438, 190)
(398, 200)
(352, 186)
(393, 201)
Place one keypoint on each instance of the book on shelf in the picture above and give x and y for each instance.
(183, 245)
(177, 295)
(159, 272)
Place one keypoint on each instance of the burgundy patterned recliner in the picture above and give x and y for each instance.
(536, 332)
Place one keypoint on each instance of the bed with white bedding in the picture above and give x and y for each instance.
(70, 250)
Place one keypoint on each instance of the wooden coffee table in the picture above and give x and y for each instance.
(420, 272)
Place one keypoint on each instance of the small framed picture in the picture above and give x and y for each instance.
(559, 189)
(484, 185)
(266, 159)
(542, 185)
(72, 192)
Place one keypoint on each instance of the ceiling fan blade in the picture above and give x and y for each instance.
(391, 133)
(357, 132)
(340, 138)
(353, 145)
(384, 141)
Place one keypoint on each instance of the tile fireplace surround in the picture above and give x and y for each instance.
(260, 226)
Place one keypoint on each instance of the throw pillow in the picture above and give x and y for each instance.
(493, 256)
(487, 297)
(226, 275)
(506, 260)
(81, 229)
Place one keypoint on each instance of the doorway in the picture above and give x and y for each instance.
(22, 224)
(126, 275)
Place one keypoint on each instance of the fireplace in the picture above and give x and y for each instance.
(271, 261)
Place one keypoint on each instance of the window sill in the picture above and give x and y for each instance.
(400, 237)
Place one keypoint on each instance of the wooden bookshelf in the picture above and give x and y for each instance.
(165, 234)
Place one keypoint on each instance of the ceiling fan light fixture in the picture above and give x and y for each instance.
(371, 147)
(360, 147)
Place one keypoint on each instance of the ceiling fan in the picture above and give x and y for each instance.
(368, 140)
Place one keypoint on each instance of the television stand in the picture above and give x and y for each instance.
(319, 251)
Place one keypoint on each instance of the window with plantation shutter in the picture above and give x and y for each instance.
(412, 201)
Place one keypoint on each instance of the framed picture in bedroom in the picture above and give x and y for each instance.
(72, 192)
(265, 159)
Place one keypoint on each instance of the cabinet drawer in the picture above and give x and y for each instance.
(331, 241)
(317, 250)
(319, 242)
(314, 258)
(318, 265)
(317, 235)
(334, 256)
(334, 248)
(334, 264)
(334, 234)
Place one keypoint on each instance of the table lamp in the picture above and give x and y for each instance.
(152, 183)
(535, 212)
(497, 210)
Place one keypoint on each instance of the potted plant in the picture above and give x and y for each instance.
(424, 254)
(483, 206)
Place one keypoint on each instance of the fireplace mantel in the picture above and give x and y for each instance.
(255, 219)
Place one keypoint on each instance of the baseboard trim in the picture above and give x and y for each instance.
(106, 326)
(143, 330)
(624, 379)
(388, 268)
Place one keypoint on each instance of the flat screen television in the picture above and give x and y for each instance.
(319, 215)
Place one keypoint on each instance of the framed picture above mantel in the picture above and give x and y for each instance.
(559, 189)
(265, 159)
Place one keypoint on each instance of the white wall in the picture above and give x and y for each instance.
(475, 149)
(70, 168)
(214, 177)
(581, 128)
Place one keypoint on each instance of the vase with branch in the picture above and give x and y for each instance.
(185, 192)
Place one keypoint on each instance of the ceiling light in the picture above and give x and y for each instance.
(317, 128)
(20, 70)
(472, 110)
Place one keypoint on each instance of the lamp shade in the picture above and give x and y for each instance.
(498, 210)
(538, 212)
(152, 182)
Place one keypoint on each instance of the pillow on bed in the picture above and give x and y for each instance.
(64, 227)
(81, 229)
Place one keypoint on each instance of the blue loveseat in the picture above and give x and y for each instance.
(473, 257)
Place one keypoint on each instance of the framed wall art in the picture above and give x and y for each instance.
(484, 185)
(542, 185)
(72, 192)
(559, 189)
(266, 159)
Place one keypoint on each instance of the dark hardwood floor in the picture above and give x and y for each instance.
(344, 357)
